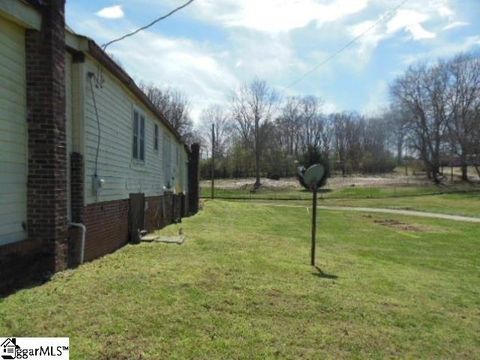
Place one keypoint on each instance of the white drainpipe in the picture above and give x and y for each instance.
(82, 249)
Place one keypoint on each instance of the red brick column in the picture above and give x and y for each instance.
(47, 192)
(77, 187)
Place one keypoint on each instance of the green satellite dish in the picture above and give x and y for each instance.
(313, 175)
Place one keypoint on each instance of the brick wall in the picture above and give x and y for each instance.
(107, 228)
(21, 263)
(77, 187)
(46, 195)
(107, 222)
(46, 249)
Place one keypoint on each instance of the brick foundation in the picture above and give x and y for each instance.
(107, 228)
(107, 231)
(107, 222)
(21, 264)
(77, 187)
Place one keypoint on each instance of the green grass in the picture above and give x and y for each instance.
(342, 193)
(466, 204)
(241, 287)
(456, 200)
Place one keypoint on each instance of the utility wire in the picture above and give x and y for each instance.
(104, 46)
(389, 14)
(99, 130)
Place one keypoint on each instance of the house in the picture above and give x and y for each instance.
(8, 349)
(86, 159)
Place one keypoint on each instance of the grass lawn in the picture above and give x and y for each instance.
(466, 204)
(342, 193)
(372, 192)
(456, 200)
(241, 287)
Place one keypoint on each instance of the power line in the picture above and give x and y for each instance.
(104, 46)
(389, 14)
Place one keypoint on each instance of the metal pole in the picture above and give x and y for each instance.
(213, 161)
(314, 226)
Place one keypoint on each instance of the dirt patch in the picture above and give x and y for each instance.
(398, 225)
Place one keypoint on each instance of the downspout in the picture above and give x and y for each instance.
(82, 247)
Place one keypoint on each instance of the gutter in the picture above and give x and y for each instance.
(82, 247)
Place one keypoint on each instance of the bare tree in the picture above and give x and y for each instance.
(217, 116)
(252, 109)
(348, 132)
(289, 125)
(396, 119)
(422, 92)
(463, 100)
(175, 107)
(302, 124)
(312, 124)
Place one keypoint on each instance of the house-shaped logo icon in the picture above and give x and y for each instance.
(8, 349)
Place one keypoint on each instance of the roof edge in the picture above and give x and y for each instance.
(102, 57)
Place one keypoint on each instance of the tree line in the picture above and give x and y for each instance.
(434, 118)
(437, 111)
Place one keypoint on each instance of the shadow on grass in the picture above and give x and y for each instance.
(323, 275)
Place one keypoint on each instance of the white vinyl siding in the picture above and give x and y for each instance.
(13, 134)
(116, 165)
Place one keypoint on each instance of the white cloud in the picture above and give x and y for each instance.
(275, 16)
(444, 10)
(378, 97)
(329, 107)
(257, 38)
(264, 55)
(445, 50)
(111, 12)
(196, 69)
(369, 41)
(182, 64)
(410, 21)
(455, 24)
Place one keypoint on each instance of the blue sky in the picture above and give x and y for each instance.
(212, 46)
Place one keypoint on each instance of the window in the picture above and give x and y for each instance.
(155, 138)
(138, 136)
